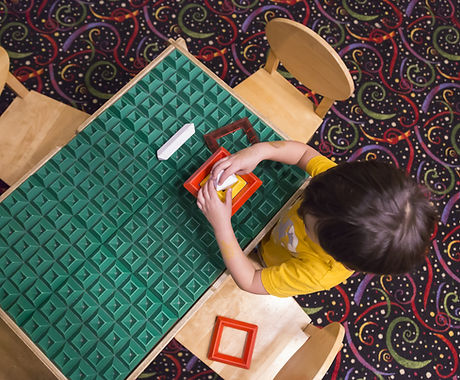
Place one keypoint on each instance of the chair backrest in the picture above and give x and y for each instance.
(4, 67)
(8, 78)
(33, 126)
(316, 355)
(309, 58)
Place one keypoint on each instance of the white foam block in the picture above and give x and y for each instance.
(176, 141)
(227, 183)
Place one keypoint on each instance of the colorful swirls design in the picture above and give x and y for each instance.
(404, 57)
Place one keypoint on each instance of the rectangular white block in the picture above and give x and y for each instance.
(176, 141)
(227, 183)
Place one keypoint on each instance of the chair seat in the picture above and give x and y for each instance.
(280, 334)
(284, 107)
(31, 128)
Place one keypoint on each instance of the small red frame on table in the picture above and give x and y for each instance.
(244, 124)
(245, 360)
(252, 181)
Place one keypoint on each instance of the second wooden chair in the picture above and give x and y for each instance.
(32, 127)
(287, 345)
(313, 62)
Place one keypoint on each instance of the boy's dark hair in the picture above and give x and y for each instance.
(371, 217)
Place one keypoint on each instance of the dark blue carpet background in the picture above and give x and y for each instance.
(404, 57)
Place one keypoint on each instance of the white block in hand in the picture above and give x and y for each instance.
(227, 183)
(176, 141)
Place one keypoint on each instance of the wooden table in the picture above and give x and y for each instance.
(103, 253)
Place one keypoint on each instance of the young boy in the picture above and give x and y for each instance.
(359, 216)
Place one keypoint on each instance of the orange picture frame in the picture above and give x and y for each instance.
(245, 360)
(252, 181)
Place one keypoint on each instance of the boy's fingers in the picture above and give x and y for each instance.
(228, 196)
(210, 189)
(215, 169)
(225, 174)
(220, 167)
(204, 190)
(199, 197)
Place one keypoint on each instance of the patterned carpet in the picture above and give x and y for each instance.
(404, 57)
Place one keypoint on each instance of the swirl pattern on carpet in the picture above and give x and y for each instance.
(404, 57)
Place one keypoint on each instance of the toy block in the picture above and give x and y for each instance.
(176, 141)
(244, 124)
(236, 187)
(249, 328)
(231, 180)
(252, 181)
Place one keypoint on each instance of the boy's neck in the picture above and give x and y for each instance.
(310, 224)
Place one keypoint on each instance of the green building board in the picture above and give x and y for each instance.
(102, 250)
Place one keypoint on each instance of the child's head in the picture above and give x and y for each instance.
(370, 216)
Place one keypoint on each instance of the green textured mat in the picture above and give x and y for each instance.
(103, 250)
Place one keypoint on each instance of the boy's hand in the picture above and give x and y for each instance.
(216, 212)
(242, 162)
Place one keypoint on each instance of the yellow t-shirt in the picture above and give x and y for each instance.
(295, 264)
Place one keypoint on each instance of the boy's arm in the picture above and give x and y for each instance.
(244, 161)
(240, 267)
(219, 213)
(219, 216)
(288, 152)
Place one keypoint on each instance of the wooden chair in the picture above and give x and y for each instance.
(31, 127)
(287, 345)
(312, 61)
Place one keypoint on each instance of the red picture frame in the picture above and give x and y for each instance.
(252, 181)
(249, 328)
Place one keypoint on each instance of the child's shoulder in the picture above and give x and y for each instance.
(327, 270)
(319, 164)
